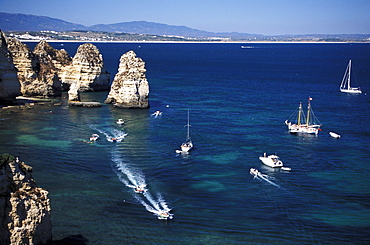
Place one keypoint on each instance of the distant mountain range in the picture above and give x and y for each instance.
(23, 22)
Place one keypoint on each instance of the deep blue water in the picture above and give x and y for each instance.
(238, 101)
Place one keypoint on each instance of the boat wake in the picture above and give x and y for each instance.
(135, 178)
(263, 177)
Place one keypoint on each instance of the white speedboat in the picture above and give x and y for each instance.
(140, 189)
(157, 113)
(254, 172)
(334, 135)
(164, 215)
(120, 121)
(345, 85)
(271, 161)
(94, 137)
(303, 124)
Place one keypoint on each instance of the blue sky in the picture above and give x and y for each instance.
(267, 17)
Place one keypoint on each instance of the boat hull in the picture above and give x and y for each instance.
(271, 161)
(351, 91)
(303, 129)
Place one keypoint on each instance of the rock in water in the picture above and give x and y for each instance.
(130, 88)
(87, 69)
(24, 207)
(9, 83)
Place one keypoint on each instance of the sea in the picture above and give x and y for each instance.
(238, 96)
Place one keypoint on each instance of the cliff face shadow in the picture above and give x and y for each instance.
(72, 240)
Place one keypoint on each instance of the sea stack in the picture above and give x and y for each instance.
(130, 88)
(10, 87)
(87, 69)
(24, 207)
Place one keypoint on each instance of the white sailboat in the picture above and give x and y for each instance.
(188, 144)
(304, 125)
(345, 86)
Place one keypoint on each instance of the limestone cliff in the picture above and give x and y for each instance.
(130, 88)
(87, 69)
(9, 84)
(24, 207)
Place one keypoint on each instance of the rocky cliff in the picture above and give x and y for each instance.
(24, 207)
(9, 84)
(87, 69)
(37, 72)
(130, 88)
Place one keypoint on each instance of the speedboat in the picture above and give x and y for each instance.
(254, 172)
(271, 161)
(94, 137)
(140, 189)
(120, 121)
(157, 113)
(334, 135)
(164, 215)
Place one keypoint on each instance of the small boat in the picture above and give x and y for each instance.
(271, 161)
(94, 137)
(157, 113)
(120, 121)
(140, 189)
(164, 215)
(286, 168)
(345, 85)
(303, 124)
(188, 144)
(254, 172)
(334, 135)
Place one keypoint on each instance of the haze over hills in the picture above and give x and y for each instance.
(24, 22)
(10, 22)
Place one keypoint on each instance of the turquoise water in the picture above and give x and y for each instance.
(238, 101)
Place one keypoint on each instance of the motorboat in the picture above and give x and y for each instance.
(94, 137)
(254, 172)
(305, 124)
(157, 113)
(164, 215)
(334, 135)
(271, 161)
(120, 121)
(140, 189)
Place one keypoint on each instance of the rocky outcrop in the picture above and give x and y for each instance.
(130, 88)
(87, 69)
(9, 84)
(37, 71)
(24, 207)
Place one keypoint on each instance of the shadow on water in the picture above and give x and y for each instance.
(73, 239)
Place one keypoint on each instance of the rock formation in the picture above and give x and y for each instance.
(87, 69)
(37, 71)
(9, 84)
(24, 207)
(130, 88)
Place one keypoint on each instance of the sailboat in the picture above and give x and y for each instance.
(188, 144)
(345, 86)
(304, 124)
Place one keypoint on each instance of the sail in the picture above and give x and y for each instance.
(345, 85)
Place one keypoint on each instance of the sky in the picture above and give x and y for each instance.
(266, 17)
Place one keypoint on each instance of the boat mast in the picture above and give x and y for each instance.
(349, 74)
(188, 125)
(308, 111)
(299, 114)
